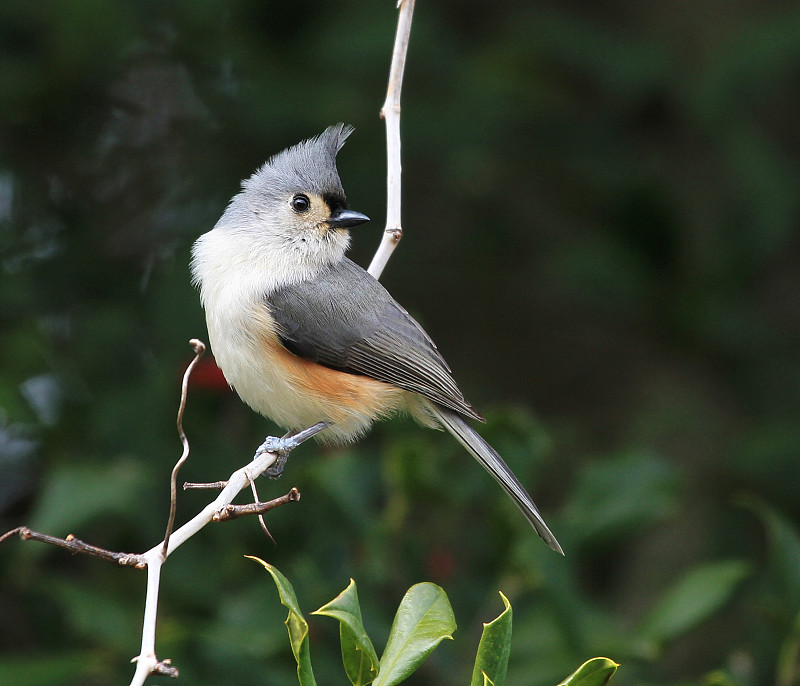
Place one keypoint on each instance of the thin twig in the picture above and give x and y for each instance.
(75, 545)
(258, 508)
(166, 668)
(390, 112)
(261, 521)
(213, 486)
(199, 348)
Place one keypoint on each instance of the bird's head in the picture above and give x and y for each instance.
(295, 205)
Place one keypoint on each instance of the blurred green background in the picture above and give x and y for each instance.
(601, 211)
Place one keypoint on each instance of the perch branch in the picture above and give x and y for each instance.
(390, 112)
(146, 661)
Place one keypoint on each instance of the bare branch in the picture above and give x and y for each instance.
(146, 660)
(258, 508)
(75, 545)
(213, 486)
(166, 668)
(390, 112)
(261, 521)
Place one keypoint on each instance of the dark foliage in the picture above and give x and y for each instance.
(601, 211)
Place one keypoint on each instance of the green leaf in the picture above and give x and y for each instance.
(784, 554)
(423, 619)
(358, 655)
(48, 668)
(74, 494)
(786, 668)
(694, 598)
(493, 650)
(594, 672)
(784, 582)
(295, 623)
(621, 495)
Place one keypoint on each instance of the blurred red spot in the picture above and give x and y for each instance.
(208, 376)
(441, 564)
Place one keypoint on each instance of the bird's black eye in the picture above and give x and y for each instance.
(300, 203)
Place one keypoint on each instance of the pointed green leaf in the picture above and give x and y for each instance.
(620, 495)
(358, 655)
(491, 661)
(694, 598)
(784, 553)
(295, 623)
(73, 494)
(423, 619)
(594, 672)
(783, 568)
(788, 655)
(46, 669)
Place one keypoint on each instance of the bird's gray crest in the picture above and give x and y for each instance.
(307, 166)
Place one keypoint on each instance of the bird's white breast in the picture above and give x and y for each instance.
(235, 273)
(235, 281)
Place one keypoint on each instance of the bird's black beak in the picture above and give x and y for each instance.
(346, 219)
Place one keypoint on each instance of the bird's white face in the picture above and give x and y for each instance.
(268, 239)
(289, 221)
(305, 225)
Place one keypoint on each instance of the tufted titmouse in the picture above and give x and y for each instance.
(304, 335)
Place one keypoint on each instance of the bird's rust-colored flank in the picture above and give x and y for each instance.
(341, 393)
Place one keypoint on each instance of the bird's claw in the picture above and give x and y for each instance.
(281, 447)
(273, 444)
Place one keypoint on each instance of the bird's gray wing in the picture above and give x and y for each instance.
(346, 320)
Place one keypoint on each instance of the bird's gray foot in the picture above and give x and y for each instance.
(284, 445)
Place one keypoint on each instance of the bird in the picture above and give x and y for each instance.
(306, 336)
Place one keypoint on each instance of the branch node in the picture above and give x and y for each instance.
(166, 668)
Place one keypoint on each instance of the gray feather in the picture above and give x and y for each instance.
(346, 320)
(495, 465)
(309, 166)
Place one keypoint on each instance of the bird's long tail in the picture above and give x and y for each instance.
(494, 464)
